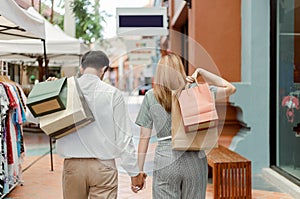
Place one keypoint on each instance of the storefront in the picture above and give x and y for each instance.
(285, 82)
(256, 45)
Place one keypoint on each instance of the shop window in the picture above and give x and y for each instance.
(288, 81)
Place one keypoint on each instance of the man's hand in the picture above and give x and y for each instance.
(138, 182)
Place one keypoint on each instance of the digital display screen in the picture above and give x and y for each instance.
(140, 21)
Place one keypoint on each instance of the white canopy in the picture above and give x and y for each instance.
(59, 46)
(16, 22)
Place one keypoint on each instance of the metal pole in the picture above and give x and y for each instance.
(47, 75)
(51, 155)
(45, 60)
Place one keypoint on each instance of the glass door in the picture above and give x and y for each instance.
(288, 85)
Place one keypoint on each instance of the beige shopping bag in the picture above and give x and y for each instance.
(193, 141)
(76, 115)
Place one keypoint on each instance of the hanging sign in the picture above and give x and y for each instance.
(140, 51)
(142, 21)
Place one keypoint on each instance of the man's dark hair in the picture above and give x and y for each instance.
(95, 59)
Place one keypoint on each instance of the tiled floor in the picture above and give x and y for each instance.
(42, 183)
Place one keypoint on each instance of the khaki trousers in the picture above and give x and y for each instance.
(91, 178)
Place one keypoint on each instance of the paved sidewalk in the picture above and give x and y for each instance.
(42, 183)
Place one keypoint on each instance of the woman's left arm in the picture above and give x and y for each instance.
(145, 135)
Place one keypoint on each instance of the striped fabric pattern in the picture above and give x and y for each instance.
(176, 174)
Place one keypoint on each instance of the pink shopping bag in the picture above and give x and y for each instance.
(198, 108)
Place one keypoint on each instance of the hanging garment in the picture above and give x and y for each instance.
(12, 116)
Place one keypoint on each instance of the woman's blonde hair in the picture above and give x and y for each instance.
(170, 76)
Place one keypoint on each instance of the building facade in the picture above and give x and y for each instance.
(256, 45)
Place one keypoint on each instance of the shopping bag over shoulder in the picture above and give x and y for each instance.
(200, 139)
(76, 115)
(48, 97)
(198, 108)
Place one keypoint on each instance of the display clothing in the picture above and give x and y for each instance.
(12, 116)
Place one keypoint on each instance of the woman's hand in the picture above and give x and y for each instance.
(225, 88)
(138, 182)
(190, 79)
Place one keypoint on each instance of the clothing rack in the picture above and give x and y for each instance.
(12, 116)
(10, 190)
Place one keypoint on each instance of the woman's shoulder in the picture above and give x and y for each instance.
(150, 92)
(150, 97)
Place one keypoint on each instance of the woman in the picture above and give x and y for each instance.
(177, 174)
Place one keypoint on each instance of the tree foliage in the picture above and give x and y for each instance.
(88, 20)
(58, 19)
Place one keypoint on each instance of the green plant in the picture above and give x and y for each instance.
(88, 20)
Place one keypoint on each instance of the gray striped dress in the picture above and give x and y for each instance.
(176, 174)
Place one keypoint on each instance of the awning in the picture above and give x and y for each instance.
(15, 22)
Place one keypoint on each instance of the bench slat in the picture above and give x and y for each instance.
(231, 173)
(223, 154)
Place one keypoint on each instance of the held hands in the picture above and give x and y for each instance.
(138, 182)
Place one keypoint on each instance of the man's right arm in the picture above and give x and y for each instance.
(124, 141)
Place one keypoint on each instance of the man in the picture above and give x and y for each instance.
(89, 165)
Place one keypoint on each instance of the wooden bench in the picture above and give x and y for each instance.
(231, 173)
